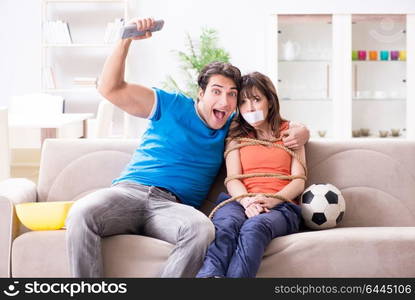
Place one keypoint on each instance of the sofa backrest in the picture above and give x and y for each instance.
(376, 177)
(73, 168)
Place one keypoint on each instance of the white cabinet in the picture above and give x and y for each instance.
(76, 39)
(322, 81)
(300, 55)
(303, 70)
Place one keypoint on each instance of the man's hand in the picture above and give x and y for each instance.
(135, 99)
(142, 24)
(296, 136)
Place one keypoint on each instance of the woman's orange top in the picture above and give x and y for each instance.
(263, 159)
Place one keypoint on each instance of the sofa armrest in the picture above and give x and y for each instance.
(12, 191)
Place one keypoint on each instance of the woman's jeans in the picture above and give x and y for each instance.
(240, 242)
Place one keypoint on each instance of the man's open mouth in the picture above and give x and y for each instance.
(219, 114)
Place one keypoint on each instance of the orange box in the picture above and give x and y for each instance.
(373, 55)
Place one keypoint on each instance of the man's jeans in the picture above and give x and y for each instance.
(131, 208)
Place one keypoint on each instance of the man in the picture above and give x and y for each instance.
(170, 172)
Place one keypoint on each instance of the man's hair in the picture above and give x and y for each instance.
(219, 68)
(262, 83)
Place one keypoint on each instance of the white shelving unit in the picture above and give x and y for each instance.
(320, 85)
(302, 69)
(83, 56)
(379, 86)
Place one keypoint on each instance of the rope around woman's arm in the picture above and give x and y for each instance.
(252, 142)
(243, 196)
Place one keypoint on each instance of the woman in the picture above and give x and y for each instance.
(264, 178)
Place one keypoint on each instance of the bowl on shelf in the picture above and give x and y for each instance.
(395, 132)
(383, 133)
(380, 94)
(364, 131)
(363, 94)
(356, 133)
(322, 133)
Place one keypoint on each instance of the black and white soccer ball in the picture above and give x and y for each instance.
(322, 206)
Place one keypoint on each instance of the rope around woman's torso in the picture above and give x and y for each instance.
(252, 142)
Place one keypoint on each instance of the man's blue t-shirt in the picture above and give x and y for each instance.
(178, 151)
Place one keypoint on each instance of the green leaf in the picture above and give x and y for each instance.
(191, 61)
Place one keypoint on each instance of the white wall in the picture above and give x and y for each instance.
(231, 18)
(241, 24)
(19, 48)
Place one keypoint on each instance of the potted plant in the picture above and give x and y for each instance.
(197, 55)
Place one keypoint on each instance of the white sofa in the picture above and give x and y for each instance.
(375, 239)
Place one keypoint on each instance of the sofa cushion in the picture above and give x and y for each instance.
(338, 252)
(377, 179)
(72, 168)
(342, 252)
(43, 254)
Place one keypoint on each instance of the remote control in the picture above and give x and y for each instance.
(129, 31)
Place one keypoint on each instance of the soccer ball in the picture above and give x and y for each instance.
(322, 206)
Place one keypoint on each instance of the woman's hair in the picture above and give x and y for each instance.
(241, 128)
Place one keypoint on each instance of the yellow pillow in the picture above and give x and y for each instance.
(43, 215)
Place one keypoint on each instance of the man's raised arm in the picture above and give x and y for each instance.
(135, 99)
